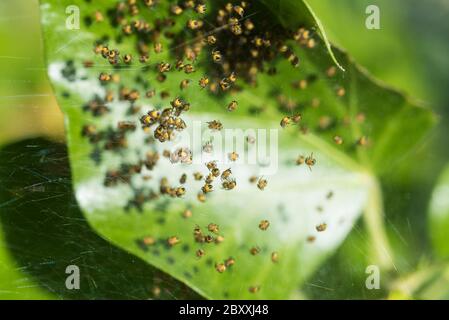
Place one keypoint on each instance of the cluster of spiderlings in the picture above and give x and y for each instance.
(236, 44)
(212, 236)
(235, 49)
(310, 161)
(228, 182)
(173, 192)
(168, 120)
(223, 266)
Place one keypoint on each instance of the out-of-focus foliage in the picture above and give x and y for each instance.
(410, 51)
(439, 216)
(27, 106)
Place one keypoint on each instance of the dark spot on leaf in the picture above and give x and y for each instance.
(141, 245)
(88, 21)
(171, 260)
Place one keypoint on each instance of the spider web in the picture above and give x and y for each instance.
(44, 231)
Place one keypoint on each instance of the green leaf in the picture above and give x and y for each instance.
(296, 199)
(439, 215)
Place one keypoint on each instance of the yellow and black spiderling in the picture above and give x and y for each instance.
(173, 240)
(176, 10)
(232, 106)
(152, 157)
(204, 82)
(262, 184)
(189, 68)
(197, 176)
(338, 140)
(252, 179)
(264, 224)
(220, 267)
(233, 156)
(275, 256)
(254, 251)
(216, 56)
(215, 125)
(310, 161)
(209, 178)
(187, 214)
(163, 67)
(209, 239)
(212, 227)
(200, 253)
(215, 172)
(207, 188)
(194, 24)
(149, 241)
(157, 47)
(201, 197)
(321, 227)
(300, 160)
(285, 122)
(150, 93)
(144, 58)
(184, 84)
(200, 8)
(254, 289)
(226, 174)
(229, 262)
(211, 40)
(90, 131)
(229, 184)
(183, 179)
(127, 58)
(225, 84)
(362, 141)
(211, 164)
(340, 91)
(219, 239)
(104, 77)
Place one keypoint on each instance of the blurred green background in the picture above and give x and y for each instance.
(410, 52)
(27, 107)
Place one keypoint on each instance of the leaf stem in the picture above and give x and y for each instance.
(374, 221)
